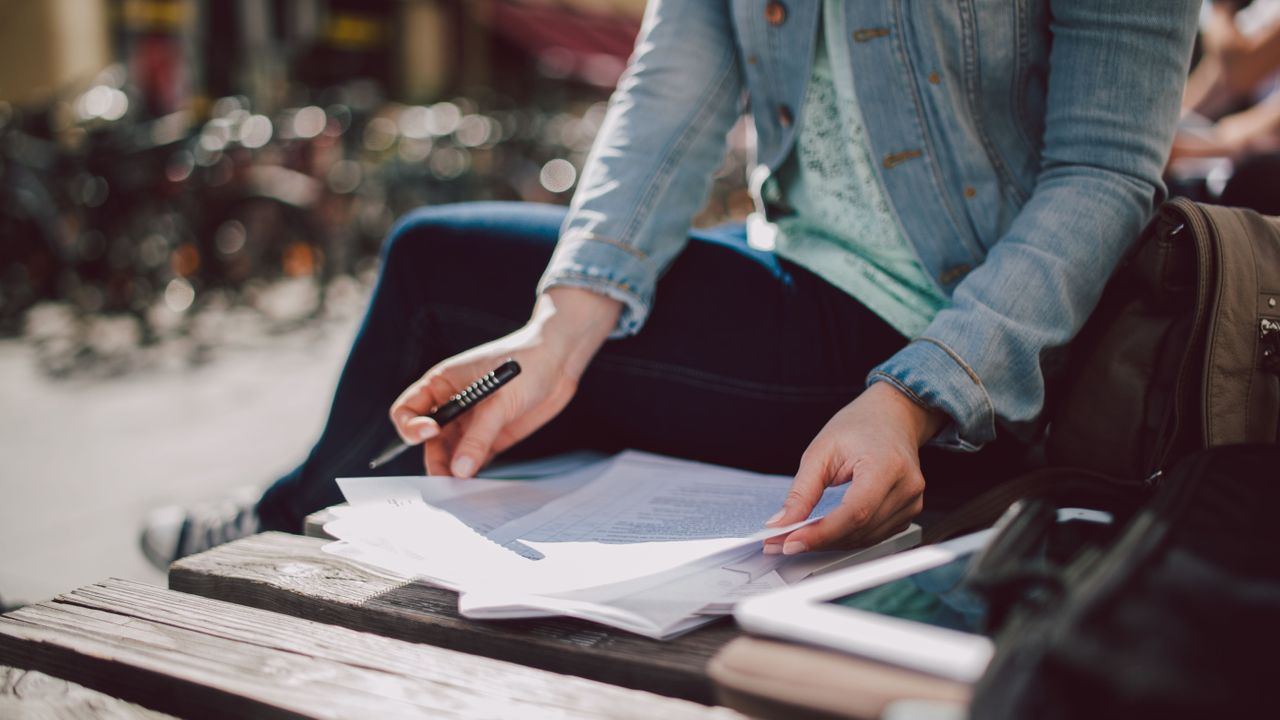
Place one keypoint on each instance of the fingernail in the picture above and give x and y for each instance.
(463, 467)
(426, 432)
(773, 549)
(774, 520)
(793, 547)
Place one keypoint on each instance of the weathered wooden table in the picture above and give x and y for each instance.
(122, 649)
(271, 626)
(289, 574)
(31, 694)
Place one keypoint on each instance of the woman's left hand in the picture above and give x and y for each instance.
(873, 443)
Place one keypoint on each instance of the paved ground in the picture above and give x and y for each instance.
(83, 459)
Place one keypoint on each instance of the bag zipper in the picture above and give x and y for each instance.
(1190, 215)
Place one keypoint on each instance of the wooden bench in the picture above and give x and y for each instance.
(291, 575)
(31, 694)
(151, 651)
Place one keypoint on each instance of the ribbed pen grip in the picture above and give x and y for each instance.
(476, 391)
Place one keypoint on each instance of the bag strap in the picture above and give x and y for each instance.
(987, 507)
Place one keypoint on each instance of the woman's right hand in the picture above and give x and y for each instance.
(566, 329)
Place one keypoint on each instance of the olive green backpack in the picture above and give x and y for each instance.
(1183, 351)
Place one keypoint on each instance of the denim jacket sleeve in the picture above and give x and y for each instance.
(651, 166)
(1115, 80)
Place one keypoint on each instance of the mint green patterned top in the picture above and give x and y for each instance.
(843, 229)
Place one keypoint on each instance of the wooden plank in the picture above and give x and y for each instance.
(36, 696)
(313, 526)
(196, 657)
(291, 575)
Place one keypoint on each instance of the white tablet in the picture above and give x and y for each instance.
(908, 609)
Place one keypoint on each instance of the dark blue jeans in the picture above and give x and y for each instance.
(744, 356)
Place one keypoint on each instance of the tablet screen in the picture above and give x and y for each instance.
(935, 596)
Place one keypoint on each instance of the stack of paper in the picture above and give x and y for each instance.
(649, 544)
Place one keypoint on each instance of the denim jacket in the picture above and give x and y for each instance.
(1020, 144)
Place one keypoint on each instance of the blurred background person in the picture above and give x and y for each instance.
(1229, 136)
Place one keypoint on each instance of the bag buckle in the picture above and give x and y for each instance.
(1269, 341)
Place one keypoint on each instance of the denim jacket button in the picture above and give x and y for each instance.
(785, 117)
(775, 13)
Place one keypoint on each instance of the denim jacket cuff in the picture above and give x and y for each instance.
(935, 377)
(607, 267)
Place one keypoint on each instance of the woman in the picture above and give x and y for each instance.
(948, 187)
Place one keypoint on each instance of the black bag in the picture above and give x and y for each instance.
(1182, 352)
(1176, 616)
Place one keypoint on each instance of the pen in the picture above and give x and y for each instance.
(458, 404)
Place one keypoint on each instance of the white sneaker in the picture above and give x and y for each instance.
(173, 532)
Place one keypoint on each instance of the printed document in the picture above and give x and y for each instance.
(649, 544)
